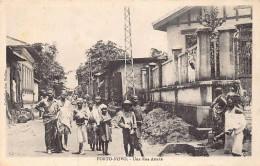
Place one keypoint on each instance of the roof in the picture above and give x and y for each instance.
(161, 23)
(12, 55)
(15, 43)
(115, 63)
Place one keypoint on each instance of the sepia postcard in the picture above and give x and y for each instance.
(129, 82)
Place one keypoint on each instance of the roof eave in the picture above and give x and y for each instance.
(161, 23)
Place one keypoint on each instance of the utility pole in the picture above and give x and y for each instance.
(129, 70)
(90, 76)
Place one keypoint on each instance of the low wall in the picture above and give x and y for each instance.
(190, 101)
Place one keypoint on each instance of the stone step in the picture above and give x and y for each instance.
(193, 149)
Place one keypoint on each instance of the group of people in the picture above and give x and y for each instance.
(93, 123)
(229, 120)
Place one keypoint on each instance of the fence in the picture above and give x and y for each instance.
(155, 75)
(159, 90)
(186, 65)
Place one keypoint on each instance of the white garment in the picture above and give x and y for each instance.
(82, 133)
(97, 113)
(65, 114)
(235, 121)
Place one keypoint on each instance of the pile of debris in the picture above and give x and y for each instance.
(160, 126)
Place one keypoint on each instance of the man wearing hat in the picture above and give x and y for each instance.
(235, 123)
(80, 115)
(127, 122)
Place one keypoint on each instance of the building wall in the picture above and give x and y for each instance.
(176, 40)
(193, 98)
(137, 74)
(27, 81)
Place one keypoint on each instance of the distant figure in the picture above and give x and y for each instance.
(43, 97)
(127, 122)
(246, 101)
(80, 115)
(85, 103)
(235, 123)
(87, 97)
(105, 128)
(139, 121)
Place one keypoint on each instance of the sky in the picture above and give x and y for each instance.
(74, 26)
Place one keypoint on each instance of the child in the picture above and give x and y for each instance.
(105, 129)
(80, 115)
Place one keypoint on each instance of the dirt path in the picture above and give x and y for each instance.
(27, 140)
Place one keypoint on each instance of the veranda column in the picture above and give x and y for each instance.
(203, 63)
(226, 54)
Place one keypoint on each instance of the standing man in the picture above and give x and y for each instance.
(137, 110)
(97, 113)
(64, 119)
(91, 126)
(51, 109)
(127, 122)
(80, 115)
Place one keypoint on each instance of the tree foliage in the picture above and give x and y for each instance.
(158, 54)
(98, 57)
(48, 70)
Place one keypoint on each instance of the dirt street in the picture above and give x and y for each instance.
(27, 140)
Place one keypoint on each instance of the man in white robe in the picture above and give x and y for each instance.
(235, 123)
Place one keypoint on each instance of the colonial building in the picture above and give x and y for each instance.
(21, 85)
(111, 84)
(203, 55)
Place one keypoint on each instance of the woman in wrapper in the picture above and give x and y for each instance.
(235, 123)
(91, 125)
(218, 117)
(105, 128)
